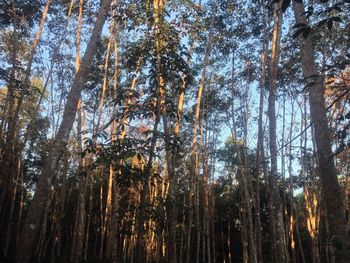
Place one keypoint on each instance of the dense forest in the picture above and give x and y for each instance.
(175, 131)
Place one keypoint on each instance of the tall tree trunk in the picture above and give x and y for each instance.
(292, 215)
(194, 156)
(79, 231)
(248, 229)
(189, 218)
(111, 241)
(169, 155)
(140, 229)
(275, 209)
(105, 79)
(196, 209)
(330, 188)
(260, 148)
(40, 198)
(158, 8)
(206, 213)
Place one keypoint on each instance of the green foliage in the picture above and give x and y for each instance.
(26, 10)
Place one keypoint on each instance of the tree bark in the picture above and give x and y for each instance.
(31, 223)
(79, 231)
(275, 209)
(260, 149)
(330, 188)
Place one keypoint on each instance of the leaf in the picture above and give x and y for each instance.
(329, 81)
(307, 13)
(311, 76)
(306, 32)
(343, 134)
(336, 19)
(298, 25)
(340, 149)
(324, 1)
(298, 32)
(285, 5)
(322, 22)
(310, 11)
(347, 115)
(336, 7)
(329, 24)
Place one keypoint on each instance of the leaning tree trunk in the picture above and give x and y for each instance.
(330, 188)
(40, 198)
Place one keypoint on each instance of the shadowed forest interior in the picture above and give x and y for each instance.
(175, 131)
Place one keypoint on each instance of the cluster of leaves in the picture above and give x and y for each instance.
(323, 16)
(343, 133)
(287, 3)
(28, 10)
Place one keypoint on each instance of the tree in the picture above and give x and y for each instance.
(39, 202)
(330, 186)
(156, 147)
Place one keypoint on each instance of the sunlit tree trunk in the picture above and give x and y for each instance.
(275, 208)
(158, 6)
(194, 155)
(104, 84)
(108, 206)
(78, 234)
(292, 215)
(170, 155)
(140, 234)
(40, 198)
(328, 176)
(111, 240)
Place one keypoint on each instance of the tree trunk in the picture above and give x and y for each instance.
(206, 215)
(140, 231)
(79, 230)
(330, 188)
(260, 149)
(40, 198)
(292, 214)
(275, 209)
